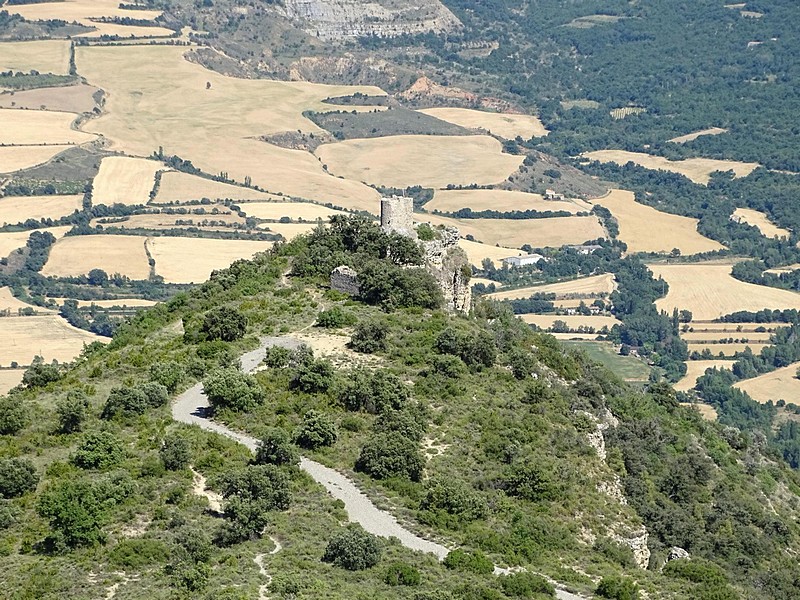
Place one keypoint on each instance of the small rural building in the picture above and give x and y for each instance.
(522, 261)
(586, 248)
(552, 195)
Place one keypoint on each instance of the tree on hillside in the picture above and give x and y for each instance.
(230, 388)
(250, 495)
(226, 324)
(275, 448)
(316, 430)
(353, 549)
(17, 476)
(75, 513)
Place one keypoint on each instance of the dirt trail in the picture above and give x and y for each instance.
(192, 408)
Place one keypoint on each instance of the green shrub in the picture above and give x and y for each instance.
(454, 498)
(696, 570)
(175, 453)
(401, 574)
(410, 422)
(391, 455)
(622, 555)
(13, 416)
(225, 324)
(474, 562)
(526, 585)
(99, 450)
(75, 514)
(373, 391)
(369, 337)
(72, 411)
(17, 476)
(39, 374)
(316, 430)
(230, 388)
(250, 495)
(353, 549)
(617, 588)
(313, 376)
(125, 402)
(334, 318)
(275, 448)
(530, 481)
(155, 393)
(138, 552)
(169, 374)
(277, 357)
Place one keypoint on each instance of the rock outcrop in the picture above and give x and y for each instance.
(341, 19)
(345, 279)
(637, 542)
(449, 265)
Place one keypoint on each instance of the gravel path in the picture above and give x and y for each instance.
(192, 408)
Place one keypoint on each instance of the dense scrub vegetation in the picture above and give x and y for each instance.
(96, 476)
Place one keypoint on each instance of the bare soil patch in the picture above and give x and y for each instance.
(690, 137)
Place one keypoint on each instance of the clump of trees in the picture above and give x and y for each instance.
(251, 494)
(353, 549)
(229, 388)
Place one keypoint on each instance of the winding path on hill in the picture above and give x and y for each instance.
(192, 407)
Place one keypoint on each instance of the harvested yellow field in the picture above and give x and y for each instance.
(539, 233)
(709, 291)
(124, 180)
(17, 239)
(696, 169)
(574, 336)
(710, 336)
(8, 302)
(427, 160)
(708, 412)
(781, 384)
(191, 260)
(646, 229)
(36, 127)
(786, 269)
(690, 137)
(73, 256)
(216, 127)
(68, 98)
(296, 211)
(183, 187)
(49, 336)
(584, 286)
(159, 221)
(729, 329)
(478, 252)
(16, 209)
(45, 56)
(697, 368)
(727, 349)
(760, 220)
(121, 302)
(486, 282)
(500, 200)
(289, 231)
(572, 321)
(14, 158)
(505, 125)
(10, 378)
(86, 11)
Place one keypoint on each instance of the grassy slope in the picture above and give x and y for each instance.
(480, 415)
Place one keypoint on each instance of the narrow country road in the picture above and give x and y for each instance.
(192, 408)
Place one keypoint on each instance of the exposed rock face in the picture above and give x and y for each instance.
(344, 279)
(449, 265)
(637, 542)
(677, 553)
(339, 19)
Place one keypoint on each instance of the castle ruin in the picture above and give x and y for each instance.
(442, 256)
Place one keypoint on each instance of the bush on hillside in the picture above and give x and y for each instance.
(230, 388)
(276, 448)
(13, 416)
(72, 411)
(391, 455)
(353, 549)
(225, 324)
(17, 476)
(316, 430)
(99, 450)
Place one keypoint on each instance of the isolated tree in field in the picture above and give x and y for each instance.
(230, 388)
(97, 277)
(316, 430)
(275, 448)
(13, 416)
(17, 476)
(226, 324)
(250, 495)
(353, 549)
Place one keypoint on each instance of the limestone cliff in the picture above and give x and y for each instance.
(340, 19)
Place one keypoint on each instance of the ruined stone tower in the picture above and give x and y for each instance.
(397, 214)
